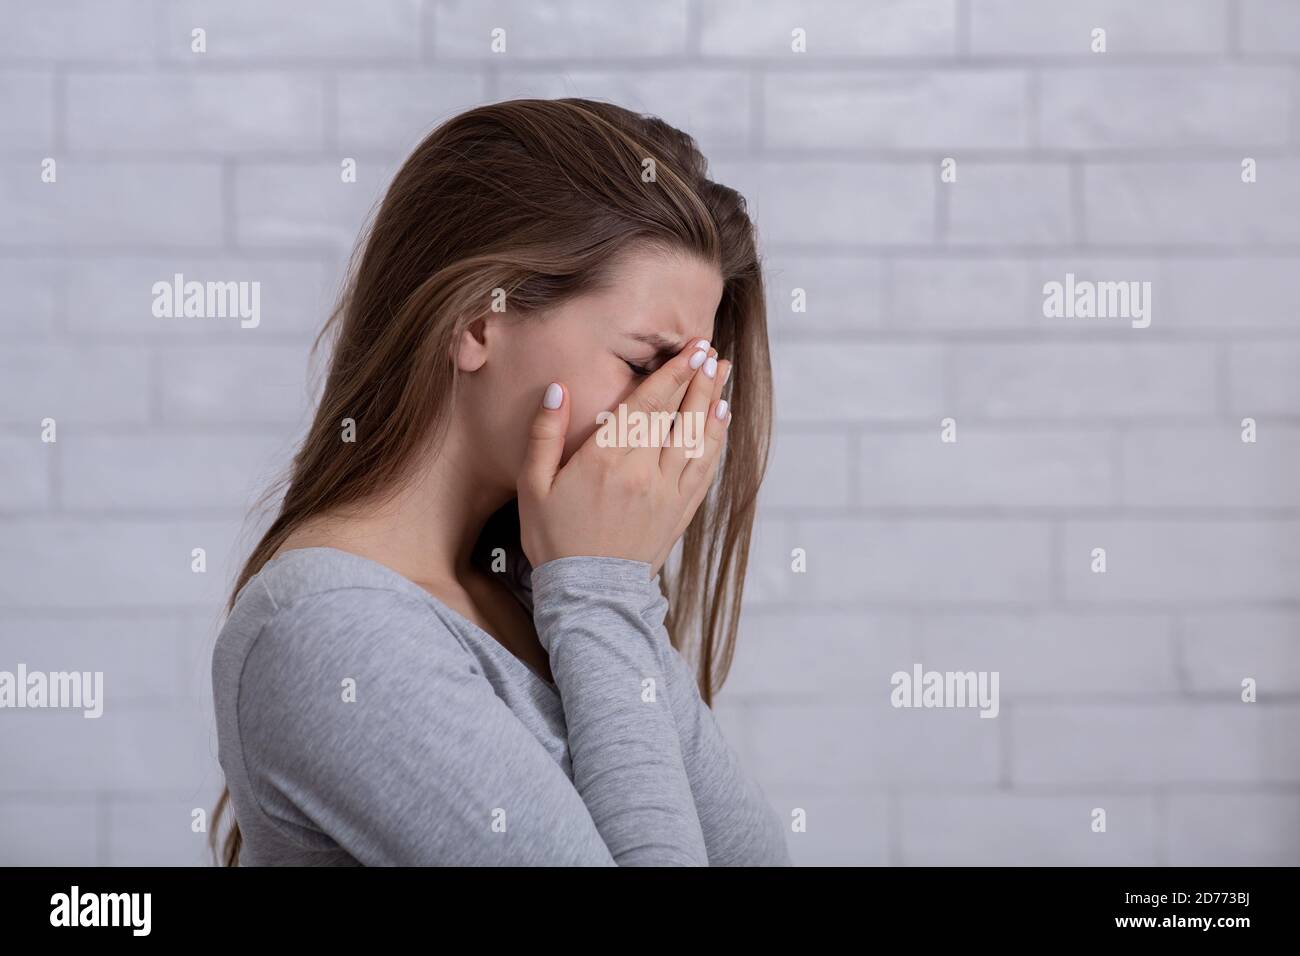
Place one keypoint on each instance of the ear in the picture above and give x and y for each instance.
(471, 349)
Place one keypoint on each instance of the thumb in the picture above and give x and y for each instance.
(546, 440)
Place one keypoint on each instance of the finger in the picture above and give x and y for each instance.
(699, 494)
(546, 441)
(687, 438)
(699, 471)
(662, 392)
(695, 500)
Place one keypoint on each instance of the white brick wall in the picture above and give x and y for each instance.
(924, 302)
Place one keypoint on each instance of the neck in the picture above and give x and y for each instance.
(426, 529)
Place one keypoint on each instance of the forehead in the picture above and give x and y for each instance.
(667, 294)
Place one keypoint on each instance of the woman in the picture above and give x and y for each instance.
(457, 643)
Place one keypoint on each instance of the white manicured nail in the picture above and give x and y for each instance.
(554, 396)
(722, 409)
(702, 344)
(698, 359)
(710, 367)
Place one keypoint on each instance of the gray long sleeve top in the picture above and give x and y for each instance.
(362, 721)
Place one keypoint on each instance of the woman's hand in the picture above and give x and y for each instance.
(625, 502)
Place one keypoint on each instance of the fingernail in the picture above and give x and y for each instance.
(726, 375)
(722, 409)
(698, 358)
(710, 367)
(702, 344)
(554, 396)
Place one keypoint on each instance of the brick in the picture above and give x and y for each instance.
(961, 294)
(1055, 655)
(1175, 744)
(839, 292)
(854, 382)
(1264, 380)
(112, 298)
(1009, 829)
(87, 30)
(538, 29)
(26, 471)
(73, 385)
(143, 658)
(1008, 203)
(807, 471)
(987, 468)
(1053, 28)
(194, 636)
(792, 747)
(1211, 468)
(168, 472)
(821, 202)
(817, 655)
(249, 385)
(122, 203)
(137, 751)
(49, 831)
(711, 105)
(26, 110)
(1270, 26)
(931, 110)
(152, 831)
(1192, 203)
(1223, 647)
(769, 580)
(294, 30)
(838, 28)
(922, 561)
(415, 102)
(1128, 294)
(1082, 381)
(30, 306)
(307, 203)
(843, 828)
(1187, 292)
(1165, 108)
(191, 113)
(1180, 561)
(60, 562)
(1233, 829)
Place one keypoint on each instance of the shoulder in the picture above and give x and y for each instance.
(369, 630)
(339, 663)
(321, 619)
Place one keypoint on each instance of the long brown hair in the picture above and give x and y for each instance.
(535, 197)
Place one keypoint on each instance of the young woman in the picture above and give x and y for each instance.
(458, 642)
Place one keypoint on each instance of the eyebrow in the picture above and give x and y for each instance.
(665, 348)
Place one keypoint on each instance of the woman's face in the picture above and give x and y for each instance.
(600, 346)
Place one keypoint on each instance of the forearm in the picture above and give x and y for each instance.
(623, 740)
(620, 612)
(740, 826)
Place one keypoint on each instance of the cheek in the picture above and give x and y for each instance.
(593, 395)
(594, 386)
(566, 351)
(582, 424)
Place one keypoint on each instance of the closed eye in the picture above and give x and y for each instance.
(639, 370)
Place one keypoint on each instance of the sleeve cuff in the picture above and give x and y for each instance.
(593, 573)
